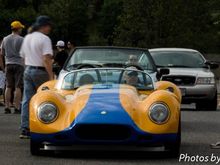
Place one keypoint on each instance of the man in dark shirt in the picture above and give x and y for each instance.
(71, 46)
(61, 56)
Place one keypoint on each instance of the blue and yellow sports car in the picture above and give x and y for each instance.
(106, 109)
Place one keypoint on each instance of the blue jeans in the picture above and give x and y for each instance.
(33, 78)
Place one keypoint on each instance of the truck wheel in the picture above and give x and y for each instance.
(174, 148)
(208, 104)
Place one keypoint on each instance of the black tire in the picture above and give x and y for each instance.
(200, 105)
(208, 104)
(174, 148)
(35, 148)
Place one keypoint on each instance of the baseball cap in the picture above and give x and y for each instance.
(60, 43)
(42, 20)
(17, 25)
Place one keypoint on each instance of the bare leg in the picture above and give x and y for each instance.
(17, 98)
(7, 97)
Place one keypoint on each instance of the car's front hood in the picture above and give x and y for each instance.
(104, 106)
(197, 72)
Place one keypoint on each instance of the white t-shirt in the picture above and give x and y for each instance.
(34, 47)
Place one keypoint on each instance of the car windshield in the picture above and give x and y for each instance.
(109, 76)
(178, 59)
(111, 57)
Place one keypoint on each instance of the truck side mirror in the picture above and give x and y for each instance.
(161, 72)
(212, 65)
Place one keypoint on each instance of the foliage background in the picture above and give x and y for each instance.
(142, 23)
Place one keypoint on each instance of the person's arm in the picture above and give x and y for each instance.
(22, 54)
(47, 61)
(2, 54)
(48, 57)
(1, 62)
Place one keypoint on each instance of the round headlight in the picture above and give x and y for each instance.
(159, 113)
(47, 113)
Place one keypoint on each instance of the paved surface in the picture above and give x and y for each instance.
(199, 129)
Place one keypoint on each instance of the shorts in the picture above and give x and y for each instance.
(14, 76)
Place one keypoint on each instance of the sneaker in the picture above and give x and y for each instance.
(215, 145)
(7, 110)
(25, 134)
(17, 111)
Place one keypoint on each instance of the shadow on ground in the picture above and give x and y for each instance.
(110, 155)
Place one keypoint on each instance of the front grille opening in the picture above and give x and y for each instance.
(102, 132)
(180, 80)
(61, 137)
(145, 137)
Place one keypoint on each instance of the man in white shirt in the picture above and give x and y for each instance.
(37, 53)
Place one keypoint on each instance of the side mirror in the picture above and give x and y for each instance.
(212, 65)
(164, 71)
(161, 72)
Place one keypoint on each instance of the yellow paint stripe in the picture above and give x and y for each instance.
(68, 111)
(138, 110)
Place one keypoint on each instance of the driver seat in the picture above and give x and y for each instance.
(86, 79)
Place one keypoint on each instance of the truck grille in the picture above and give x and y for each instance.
(180, 80)
(102, 132)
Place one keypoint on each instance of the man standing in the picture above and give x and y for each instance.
(14, 69)
(70, 46)
(133, 60)
(61, 55)
(37, 53)
(2, 74)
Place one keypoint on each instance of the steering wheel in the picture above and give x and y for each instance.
(126, 66)
(90, 66)
(86, 66)
(136, 66)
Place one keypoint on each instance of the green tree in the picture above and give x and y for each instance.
(198, 31)
(172, 23)
(108, 19)
(70, 19)
(134, 24)
(142, 23)
(15, 10)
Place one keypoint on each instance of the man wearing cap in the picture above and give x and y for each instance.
(37, 53)
(131, 77)
(61, 55)
(14, 69)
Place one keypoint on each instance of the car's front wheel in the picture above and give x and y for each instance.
(174, 148)
(35, 148)
(208, 104)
